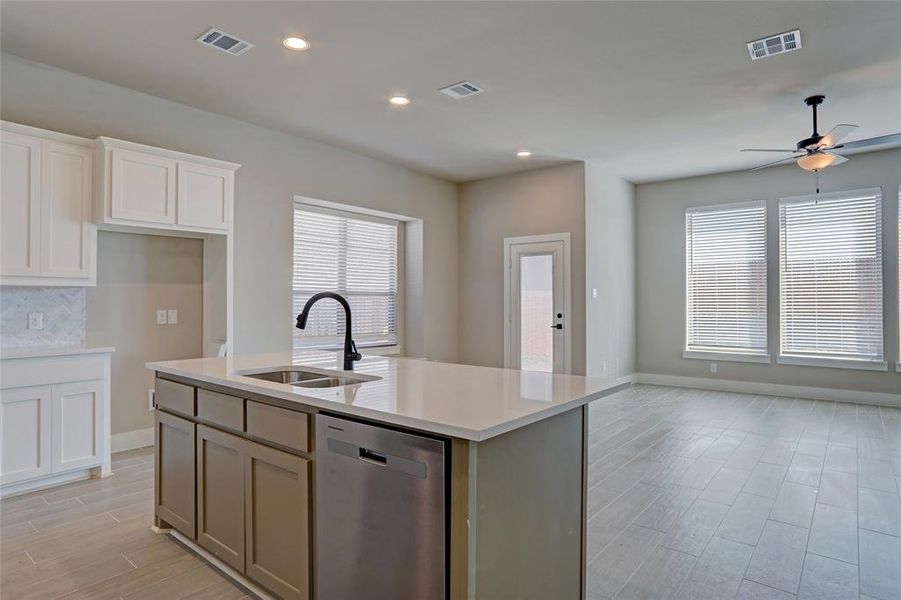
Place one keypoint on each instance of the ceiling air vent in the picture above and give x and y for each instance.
(218, 39)
(777, 44)
(464, 89)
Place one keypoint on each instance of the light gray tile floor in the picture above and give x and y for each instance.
(701, 494)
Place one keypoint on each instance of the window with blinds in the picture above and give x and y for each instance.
(830, 276)
(725, 267)
(355, 256)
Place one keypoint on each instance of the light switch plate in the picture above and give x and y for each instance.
(35, 320)
(172, 316)
(161, 317)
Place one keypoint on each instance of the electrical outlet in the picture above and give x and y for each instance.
(150, 400)
(594, 292)
(35, 320)
(172, 316)
(161, 317)
(713, 367)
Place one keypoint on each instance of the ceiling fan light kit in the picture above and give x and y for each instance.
(816, 161)
(817, 152)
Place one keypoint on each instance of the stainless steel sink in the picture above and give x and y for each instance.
(287, 376)
(309, 379)
(326, 382)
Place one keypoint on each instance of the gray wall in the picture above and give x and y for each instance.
(136, 276)
(276, 166)
(610, 269)
(550, 200)
(661, 267)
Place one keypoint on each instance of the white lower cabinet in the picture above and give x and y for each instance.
(54, 419)
(77, 417)
(25, 430)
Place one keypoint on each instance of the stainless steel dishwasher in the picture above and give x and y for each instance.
(380, 513)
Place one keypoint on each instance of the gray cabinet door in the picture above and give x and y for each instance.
(220, 495)
(277, 523)
(175, 474)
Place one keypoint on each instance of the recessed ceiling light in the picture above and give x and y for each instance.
(295, 43)
(399, 100)
(523, 154)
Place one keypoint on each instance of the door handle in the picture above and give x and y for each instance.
(557, 326)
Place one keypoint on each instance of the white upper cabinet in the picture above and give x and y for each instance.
(20, 208)
(143, 187)
(65, 210)
(47, 237)
(205, 195)
(147, 187)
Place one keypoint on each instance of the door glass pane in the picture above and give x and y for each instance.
(536, 312)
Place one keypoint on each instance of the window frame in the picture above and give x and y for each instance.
(348, 212)
(835, 362)
(762, 357)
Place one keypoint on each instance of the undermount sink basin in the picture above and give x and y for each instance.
(291, 377)
(326, 382)
(309, 379)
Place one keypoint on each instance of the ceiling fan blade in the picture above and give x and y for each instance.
(837, 134)
(839, 159)
(793, 150)
(774, 163)
(892, 138)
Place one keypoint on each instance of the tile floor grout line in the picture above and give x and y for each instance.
(122, 554)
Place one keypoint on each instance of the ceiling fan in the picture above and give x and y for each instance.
(817, 152)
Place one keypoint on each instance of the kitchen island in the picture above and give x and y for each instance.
(252, 452)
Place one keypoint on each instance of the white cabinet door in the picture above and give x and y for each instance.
(65, 210)
(20, 208)
(204, 195)
(143, 187)
(25, 432)
(77, 425)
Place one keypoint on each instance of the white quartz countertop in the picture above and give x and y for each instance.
(41, 351)
(464, 401)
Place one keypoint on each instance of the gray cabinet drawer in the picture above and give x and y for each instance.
(281, 426)
(220, 409)
(175, 397)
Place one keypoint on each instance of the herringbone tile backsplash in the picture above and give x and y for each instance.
(64, 316)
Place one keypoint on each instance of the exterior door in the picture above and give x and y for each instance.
(537, 303)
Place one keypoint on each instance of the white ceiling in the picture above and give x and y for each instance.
(656, 89)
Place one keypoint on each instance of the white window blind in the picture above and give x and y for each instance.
(830, 275)
(725, 264)
(355, 256)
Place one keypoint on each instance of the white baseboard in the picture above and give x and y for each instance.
(129, 440)
(41, 483)
(772, 389)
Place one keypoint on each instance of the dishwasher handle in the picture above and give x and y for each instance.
(373, 457)
(407, 466)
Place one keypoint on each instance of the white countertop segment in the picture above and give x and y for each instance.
(464, 401)
(41, 351)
